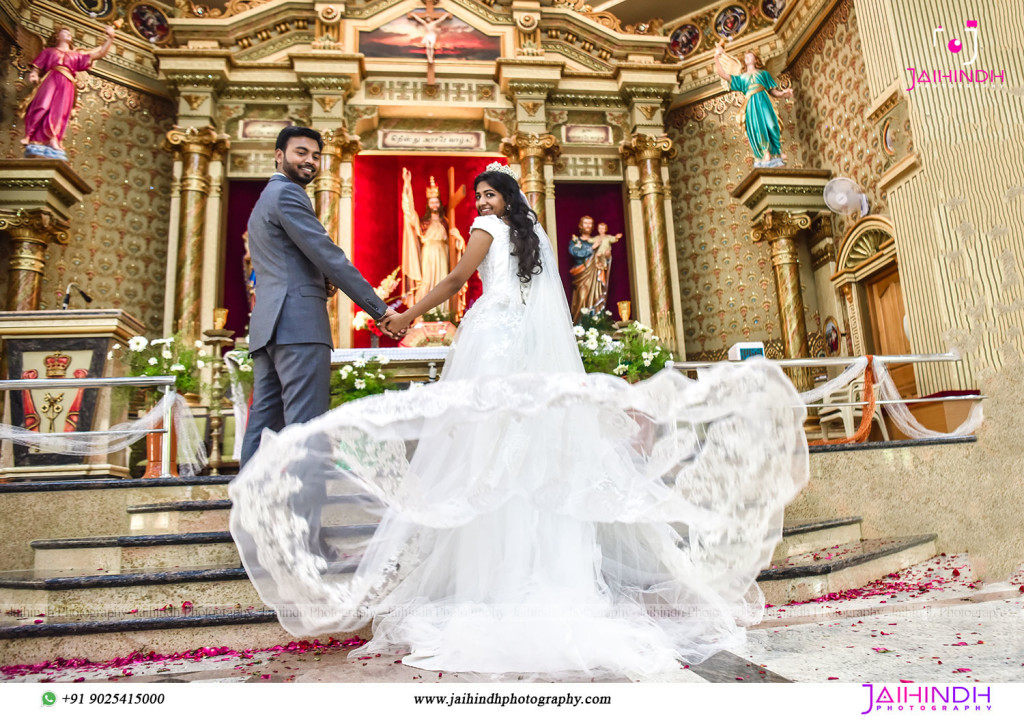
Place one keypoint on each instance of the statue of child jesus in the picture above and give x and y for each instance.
(602, 243)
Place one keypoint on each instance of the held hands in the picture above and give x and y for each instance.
(110, 30)
(394, 324)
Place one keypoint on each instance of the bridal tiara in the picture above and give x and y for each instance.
(503, 168)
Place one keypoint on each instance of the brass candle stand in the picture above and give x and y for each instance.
(216, 339)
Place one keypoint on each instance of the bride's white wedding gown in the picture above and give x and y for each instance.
(532, 518)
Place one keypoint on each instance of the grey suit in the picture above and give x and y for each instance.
(289, 333)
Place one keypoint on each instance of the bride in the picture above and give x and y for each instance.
(520, 515)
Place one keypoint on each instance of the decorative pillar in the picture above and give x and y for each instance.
(339, 148)
(531, 150)
(195, 147)
(854, 325)
(213, 244)
(174, 225)
(778, 228)
(31, 233)
(645, 152)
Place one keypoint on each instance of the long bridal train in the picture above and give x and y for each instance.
(556, 523)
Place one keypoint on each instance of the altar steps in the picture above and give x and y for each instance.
(117, 554)
(99, 597)
(189, 516)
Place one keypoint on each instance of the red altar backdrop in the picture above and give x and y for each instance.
(377, 191)
(605, 203)
(242, 197)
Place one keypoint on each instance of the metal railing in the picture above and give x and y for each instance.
(828, 361)
(166, 383)
(846, 361)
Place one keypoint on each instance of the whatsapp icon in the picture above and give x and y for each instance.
(49, 699)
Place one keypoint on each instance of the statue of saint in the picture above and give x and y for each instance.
(48, 108)
(430, 243)
(762, 124)
(589, 271)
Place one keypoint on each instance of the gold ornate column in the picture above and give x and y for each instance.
(532, 150)
(645, 152)
(195, 147)
(778, 229)
(339, 147)
(31, 233)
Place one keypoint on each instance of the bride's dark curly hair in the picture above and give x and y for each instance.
(521, 218)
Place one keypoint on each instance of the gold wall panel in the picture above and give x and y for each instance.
(118, 241)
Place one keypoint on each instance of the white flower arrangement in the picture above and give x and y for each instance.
(358, 379)
(634, 355)
(159, 357)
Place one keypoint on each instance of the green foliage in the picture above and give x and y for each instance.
(243, 359)
(600, 320)
(358, 379)
(163, 357)
(633, 352)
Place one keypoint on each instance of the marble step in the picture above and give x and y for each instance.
(64, 593)
(189, 516)
(92, 615)
(843, 567)
(100, 638)
(73, 508)
(815, 536)
(114, 555)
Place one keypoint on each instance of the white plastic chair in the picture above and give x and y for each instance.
(849, 415)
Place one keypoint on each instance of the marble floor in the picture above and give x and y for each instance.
(930, 623)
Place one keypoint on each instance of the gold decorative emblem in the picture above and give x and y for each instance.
(327, 101)
(57, 365)
(194, 101)
(648, 110)
(532, 107)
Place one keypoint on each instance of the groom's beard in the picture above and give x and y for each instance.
(294, 171)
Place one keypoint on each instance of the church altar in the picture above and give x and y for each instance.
(404, 364)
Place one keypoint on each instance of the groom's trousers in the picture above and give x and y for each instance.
(291, 384)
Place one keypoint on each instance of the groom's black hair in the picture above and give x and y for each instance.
(288, 132)
(521, 218)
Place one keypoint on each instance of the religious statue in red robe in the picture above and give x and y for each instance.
(49, 106)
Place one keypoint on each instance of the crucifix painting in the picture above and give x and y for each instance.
(431, 35)
(429, 20)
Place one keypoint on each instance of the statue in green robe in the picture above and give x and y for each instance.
(762, 124)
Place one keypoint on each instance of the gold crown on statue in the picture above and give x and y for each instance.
(503, 168)
(57, 365)
(432, 190)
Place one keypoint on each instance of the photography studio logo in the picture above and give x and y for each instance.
(922, 698)
(974, 75)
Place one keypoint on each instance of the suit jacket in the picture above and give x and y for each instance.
(291, 254)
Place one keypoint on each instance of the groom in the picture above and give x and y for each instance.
(292, 258)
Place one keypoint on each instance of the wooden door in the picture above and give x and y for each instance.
(885, 301)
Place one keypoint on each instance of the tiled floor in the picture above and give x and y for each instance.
(929, 623)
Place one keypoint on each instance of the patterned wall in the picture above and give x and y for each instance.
(118, 244)
(725, 280)
(833, 97)
(728, 291)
